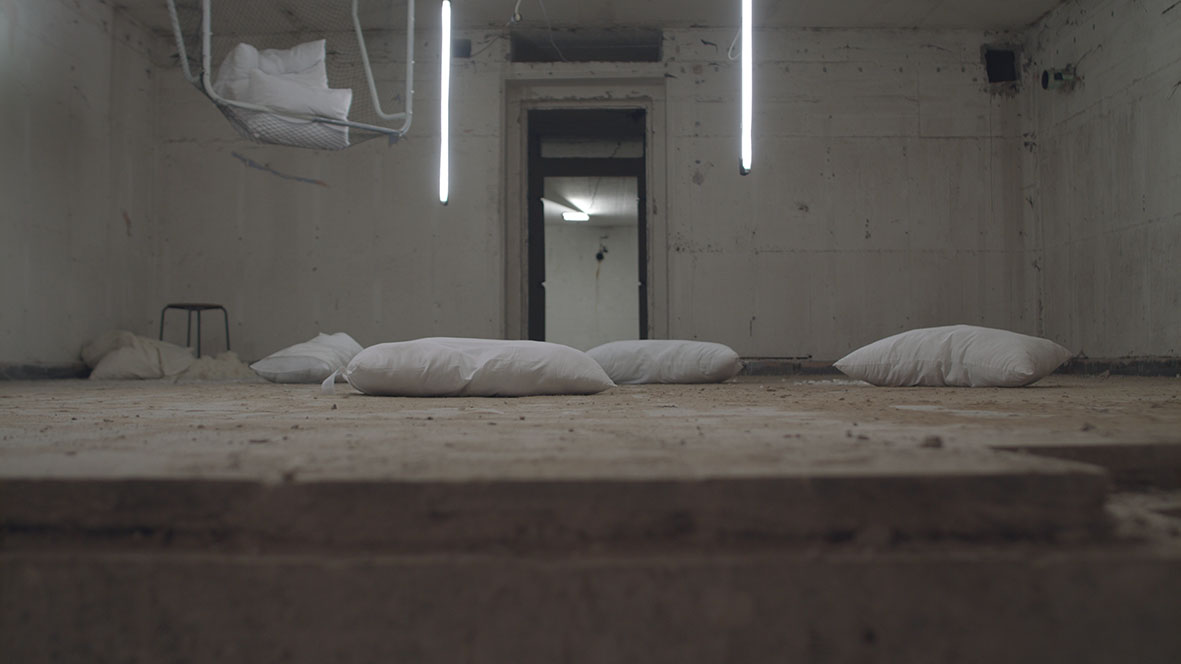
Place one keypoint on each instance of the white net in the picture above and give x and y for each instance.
(284, 24)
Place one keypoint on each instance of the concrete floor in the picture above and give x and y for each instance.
(751, 427)
(817, 519)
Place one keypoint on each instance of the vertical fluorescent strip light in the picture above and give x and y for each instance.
(747, 86)
(444, 104)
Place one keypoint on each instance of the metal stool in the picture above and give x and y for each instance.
(197, 307)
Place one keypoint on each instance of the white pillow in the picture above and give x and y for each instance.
(284, 93)
(136, 361)
(958, 355)
(233, 76)
(303, 63)
(309, 362)
(666, 361)
(451, 367)
(141, 357)
(95, 350)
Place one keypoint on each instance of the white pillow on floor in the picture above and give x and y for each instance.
(132, 356)
(956, 355)
(309, 362)
(640, 361)
(453, 367)
(95, 350)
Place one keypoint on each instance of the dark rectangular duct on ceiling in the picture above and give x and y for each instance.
(587, 45)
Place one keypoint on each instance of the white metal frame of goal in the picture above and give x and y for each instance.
(204, 83)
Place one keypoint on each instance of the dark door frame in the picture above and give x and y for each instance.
(581, 123)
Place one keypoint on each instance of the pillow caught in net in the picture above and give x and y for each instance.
(294, 84)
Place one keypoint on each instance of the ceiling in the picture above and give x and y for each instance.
(930, 14)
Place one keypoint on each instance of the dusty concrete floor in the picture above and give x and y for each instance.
(752, 426)
(773, 519)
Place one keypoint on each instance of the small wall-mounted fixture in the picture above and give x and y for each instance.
(575, 216)
(1059, 79)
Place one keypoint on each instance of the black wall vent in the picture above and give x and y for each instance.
(1001, 65)
(605, 45)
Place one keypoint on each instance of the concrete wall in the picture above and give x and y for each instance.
(893, 188)
(77, 144)
(1104, 177)
(886, 195)
(295, 241)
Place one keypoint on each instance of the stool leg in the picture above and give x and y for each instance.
(198, 333)
(226, 315)
(162, 323)
(189, 329)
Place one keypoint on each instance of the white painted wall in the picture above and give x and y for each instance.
(365, 248)
(889, 192)
(885, 193)
(77, 145)
(1104, 177)
(885, 196)
(590, 302)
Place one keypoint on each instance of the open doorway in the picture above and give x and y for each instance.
(587, 232)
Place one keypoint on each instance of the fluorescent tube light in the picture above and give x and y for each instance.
(444, 104)
(747, 86)
(575, 216)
